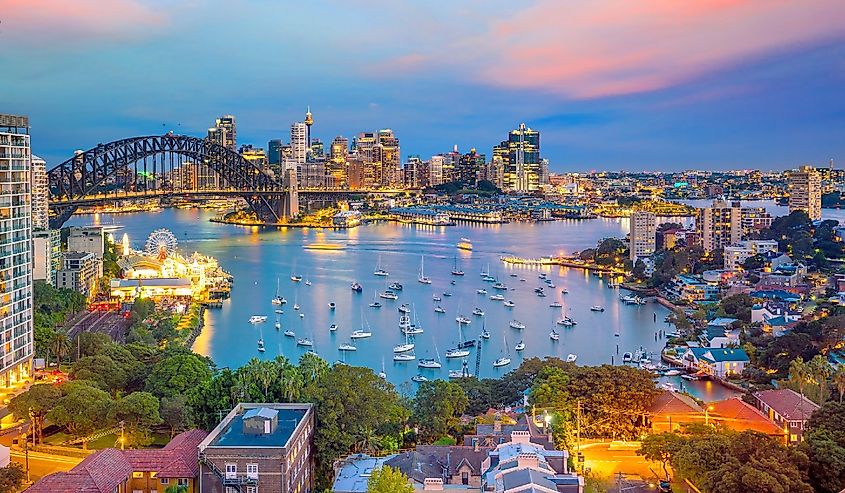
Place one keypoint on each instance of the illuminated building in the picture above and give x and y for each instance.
(317, 149)
(435, 169)
(40, 192)
(727, 223)
(416, 172)
(224, 132)
(355, 173)
(805, 192)
(255, 156)
(470, 167)
(336, 167)
(47, 255)
(299, 142)
(642, 235)
(80, 272)
(364, 146)
(388, 147)
(523, 164)
(274, 151)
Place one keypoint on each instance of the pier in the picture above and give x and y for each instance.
(565, 262)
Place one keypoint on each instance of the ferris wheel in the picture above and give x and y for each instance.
(161, 243)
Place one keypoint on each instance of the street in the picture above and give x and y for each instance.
(41, 465)
(611, 457)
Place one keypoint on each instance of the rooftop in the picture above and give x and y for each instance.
(230, 432)
(788, 403)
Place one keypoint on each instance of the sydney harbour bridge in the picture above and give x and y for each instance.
(167, 166)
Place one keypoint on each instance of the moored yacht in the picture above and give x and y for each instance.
(347, 347)
(428, 363)
(257, 319)
(516, 324)
(503, 361)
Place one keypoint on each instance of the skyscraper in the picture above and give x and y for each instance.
(435, 170)
(337, 166)
(40, 193)
(805, 192)
(726, 223)
(224, 132)
(391, 161)
(522, 168)
(470, 167)
(299, 142)
(16, 251)
(642, 235)
(274, 151)
(365, 149)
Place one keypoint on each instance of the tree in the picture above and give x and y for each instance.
(781, 351)
(824, 444)
(176, 413)
(738, 306)
(139, 411)
(799, 373)
(819, 371)
(176, 374)
(102, 369)
(38, 400)
(11, 478)
(437, 407)
(754, 262)
(388, 480)
(59, 346)
(661, 448)
(839, 381)
(81, 410)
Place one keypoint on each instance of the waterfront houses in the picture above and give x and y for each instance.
(717, 362)
(689, 289)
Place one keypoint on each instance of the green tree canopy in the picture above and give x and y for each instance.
(437, 407)
(177, 374)
(388, 480)
(82, 409)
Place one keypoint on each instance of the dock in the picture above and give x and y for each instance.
(565, 262)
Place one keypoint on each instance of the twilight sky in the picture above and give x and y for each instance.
(611, 84)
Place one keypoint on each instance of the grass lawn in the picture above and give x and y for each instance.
(108, 441)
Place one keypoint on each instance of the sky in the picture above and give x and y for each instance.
(610, 84)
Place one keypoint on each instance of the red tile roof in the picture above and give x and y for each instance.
(739, 415)
(674, 403)
(788, 403)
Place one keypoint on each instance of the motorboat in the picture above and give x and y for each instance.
(404, 308)
(305, 342)
(478, 312)
(395, 286)
(570, 358)
(672, 373)
(307, 282)
(567, 322)
(453, 282)
(375, 304)
(462, 373)
(333, 327)
(261, 345)
(347, 347)
(428, 363)
(516, 324)
(402, 357)
(296, 306)
(436, 298)
(279, 311)
(419, 378)
(520, 346)
(497, 297)
(542, 275)
(514, 275)
(289, 333)
(357, 287)
(484, 334)
(388, 295)
(457, 353)
(257, 319)
(564, 291)
(296, 278)
(627, 357)
(597, 308)
(301, 315)
(404, 322)
(332, 306)
(499, 286)
(360, 334)
(510, 304)
(671, 387)
(503, 361)
(278, 300)
(278, 325)
(488, 278)
(553, 335)
(439, 309)
(447, 293)
(462, 320)
(541, 294)
(539, 289)
(481, 291)
(556, 304)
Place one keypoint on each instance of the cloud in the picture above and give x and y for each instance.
(64, 23)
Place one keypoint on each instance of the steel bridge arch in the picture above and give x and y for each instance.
(89, 172)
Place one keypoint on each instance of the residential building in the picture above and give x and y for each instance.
(718, 362)
(805, 191)
(727, 223)
(129, 471)
(46, 255)
(40, 194)
(671, 410)
(520, 465)
(16, 250)
(260, 448)
(736, 255)
(87, 239)
(435, 169)
(80, 272)
(691, 289)
(471, 167)
(523, 163)
(642, 234)
(224, 133)
(416, 172)
(299, 142)
(787, 409)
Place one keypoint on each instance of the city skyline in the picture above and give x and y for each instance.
(721, 87)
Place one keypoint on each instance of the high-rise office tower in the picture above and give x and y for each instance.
(495, 171)
(299, 142)
(470, 167)
(40, 193)
(371, 169)
(642, 235)
(224, 132)
(337, 167)
(274, 151)
(522, 167)
(317, 149)
(391, 161)
(435, 170)
(805, 192)
(16, 250)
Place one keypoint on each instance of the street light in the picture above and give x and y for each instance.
(707, 415)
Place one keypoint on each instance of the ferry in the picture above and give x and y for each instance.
(388, 295)
(360, 334)
(439, 309)
(347, 347)
(419, 378)
(570, 358)
(332, 327)
(332, 306)
(597, 308)
(556, 304)
(428, 363)
(497, 297)
(395, 286)
(510, 304)
(261, 345)
(357, 287)
(462, 320)
(478, 312)
(520, 346)
(465, 244)
(304, 342)
(402, 357)
(503, 361)
(553, 335)
(290, 333)
(457, 353)
(516, 324)
(481, 291)
(257, 319)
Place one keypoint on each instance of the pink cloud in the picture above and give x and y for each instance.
(68, 22)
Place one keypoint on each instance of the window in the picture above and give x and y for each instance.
(252, 471)
(137, 474)
(252, 489)
(164, 480)
(793, 437)
(182, 482)
(231, 471)
(230, 489)
(464, 477)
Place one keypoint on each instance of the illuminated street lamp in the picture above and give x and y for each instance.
(707, 415)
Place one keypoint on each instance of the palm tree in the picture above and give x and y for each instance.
(799, 373)
(266, 376)
(368, 442)
(60, 346)
(240, 389)
(312, 367)
(820, 371)
(292, 383)
(839, 381)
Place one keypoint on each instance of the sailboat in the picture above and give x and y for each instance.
(375, 303)
(455, 270)
(379, 271)
(278, 323)
(404, 348)
(382, 373)
(484, 333)
(431, 362)
(261, 342)
(278, 300)
(421, 278)
(362, 333)
(293, 275)
(460, 351)
(503, 360)
(413, 328)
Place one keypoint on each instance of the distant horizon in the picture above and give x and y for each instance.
(610, 85)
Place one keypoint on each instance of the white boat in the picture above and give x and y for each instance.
(627, 357)
(301, 315)
(462, 373)
(375, 303)
(500, 286)
(551, 284)
(257, 319)
(305, 342)
(464, 244)
(570, 358)
(404, 322)
(403, 308)
(510, 304)
(382, 374)
(503, 361)
(489, 279)
(296, 306)
(347, 347)
(402, 357)
(422, 278)
(333, 327)
(313, 353)
(360, 334)
(307, 282)
(481, 291)
(332, 306)
(485, 273)
(478, 312)
(462, 320)
(553, 335)
(556, 304)
(278, 324)
(356, 287)
(439, 309)
(428, 363)
(457, 353)
(567, 322)
(436, 298)
(447, 294)
(404, 348)
(564, 291)
(484, 334)
(289, 333)
(520, 346)
(396, 286)
(278, 311)
(261, 345)
(497, 297)
(379, 271)
(455, 270)
(413, 330)
(278, 299)
(295, 278)
(419, 378)
(597, 308)
(671, 387)
(672, 373)
(388, 295)
(516, 324)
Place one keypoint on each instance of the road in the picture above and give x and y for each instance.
(41, 465)
(608, 458)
